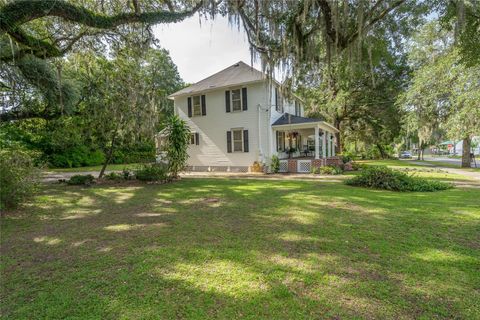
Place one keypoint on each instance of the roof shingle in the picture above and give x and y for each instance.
(288, 118)
(236, 74)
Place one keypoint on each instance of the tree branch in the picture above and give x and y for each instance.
(16, 13)
(19, 12)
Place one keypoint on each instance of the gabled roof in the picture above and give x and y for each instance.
(236, 74)
(288, 118)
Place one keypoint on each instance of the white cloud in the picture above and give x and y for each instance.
(202, 48)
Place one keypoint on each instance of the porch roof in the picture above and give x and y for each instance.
(289, 120)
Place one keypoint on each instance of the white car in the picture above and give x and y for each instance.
(405, 155)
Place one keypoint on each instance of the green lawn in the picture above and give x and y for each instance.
(226, 248)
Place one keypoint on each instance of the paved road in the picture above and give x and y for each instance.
(445, 160)
(472, 174)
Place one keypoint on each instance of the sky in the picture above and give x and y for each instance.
(200, 49)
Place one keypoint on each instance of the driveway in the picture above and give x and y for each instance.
(54, 176)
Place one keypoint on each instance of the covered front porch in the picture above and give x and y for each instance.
(302, 143)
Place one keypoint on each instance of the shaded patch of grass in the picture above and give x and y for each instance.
(225, 248)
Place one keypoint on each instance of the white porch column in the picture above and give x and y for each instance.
(317, 143)
(274, 142)
(324, 144)
(334, 141)
(330, 143)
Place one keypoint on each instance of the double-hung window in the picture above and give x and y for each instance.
(197, 107)
(298, 109)
(237, 140)
(237, 100)
(195, 138)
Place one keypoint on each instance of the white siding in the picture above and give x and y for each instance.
(212, 128)
(288, 106)
(212, 150)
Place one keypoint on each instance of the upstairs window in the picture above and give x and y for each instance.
(197, 107)
(298, 109)
(236, 100)
(278, 101)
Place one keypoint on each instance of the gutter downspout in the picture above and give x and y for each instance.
(260, 149)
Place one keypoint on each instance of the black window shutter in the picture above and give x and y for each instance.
(197, 138)
(283, 134)
(189, 103)
(245, 140)
(204, 106)
(244, 99)
(229, 141)
(227, 100)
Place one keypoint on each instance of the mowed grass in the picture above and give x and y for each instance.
(253, 249)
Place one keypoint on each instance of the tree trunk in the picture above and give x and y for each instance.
(108, 158)
(382, 151)
(339, 146)
(466, 159)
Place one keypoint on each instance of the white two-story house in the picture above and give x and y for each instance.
(238, 117)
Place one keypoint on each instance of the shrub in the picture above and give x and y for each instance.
(18, 178)
(124, 175)
(346, 158)
(113, 176)
(381, 177)
(127, 174)
(333, 170)
(80, 179)
(153, 172)
(133, 156)
(77, 156)
(178, 138)
(357, 166)
(348, 166)
(275, 164)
